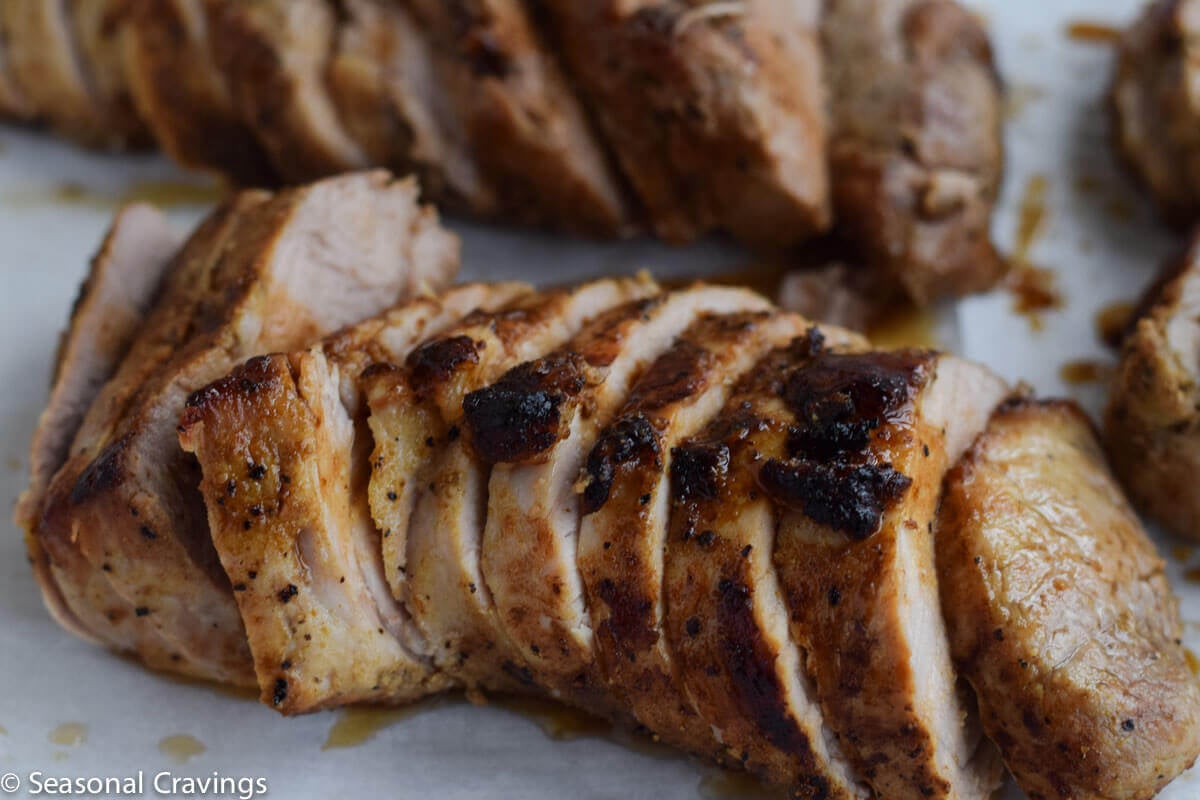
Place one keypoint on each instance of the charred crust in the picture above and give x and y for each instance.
(518, 673)
(626, 624)
(280, 693)
(846, 497)
(698, 471)
(105, 473)
(750, 666)
(436, 361)
(288, 592)
(679, 374)
(521, 415)
(632, 439)
(840, 399)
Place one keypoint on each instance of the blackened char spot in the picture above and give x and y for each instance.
(105, 473)
(847, 497)
(631, 439)
(751, 667)
(520, 674)
(839, 399)
(697, 471)
(626, 624)
(436, 361)
(520, 415)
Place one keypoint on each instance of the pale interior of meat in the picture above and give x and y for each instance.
(1183, 326)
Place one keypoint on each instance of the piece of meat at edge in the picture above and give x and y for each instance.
(123, 280)
(127, 495)
(529, 133)
(394, 90)
(626, 503)
(1155, 109)
(294, 532)
(536, 426)
(98, 26)
(275, 55)
(1152, 425)
(726, 622)
(1060, 614)
(43, 64)
(416, 417)
(858, 494)
(715, 112)
(182, 95)
(13, 105)
(916, 151)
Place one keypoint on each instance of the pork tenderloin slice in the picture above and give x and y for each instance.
(13, 104)
(44, 65)
(275, 56)
(626, 504)
(1060, 615)
(416, 419)
(536, 425)
(530, 134)
(384, 78)
(861, 483)
(98, 26)
(715, 111)
(122, 283)
(726, 621)
(284, 449)
(182, 95)
(1152, 423)
(916, 152)
(1155, 99)
(288, 270)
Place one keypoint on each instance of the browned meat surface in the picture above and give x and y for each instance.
(97, 29)
(265, 274)
(294, 530)
(182, 95)
(1157, 109)
(44, 66)
(1152, 424)
(527, 130)
(13, 104)
(626, 502)
(275, 56)
(429, 493)
(1060, 615)
(861, 477)
(714, 110)
(834, 293)
(536, 426)
(122, 285)
(915, 146)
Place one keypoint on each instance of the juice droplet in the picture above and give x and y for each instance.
(1112, 321)
(1192, 660)
(1181, 552)
(355, 726)
(3, 731)
(904, 325)
(69, 734)
(557, 721)
(725, 785)
(1192, 575)
(1034, 289)
(1093, 32)
(1077, 373)
(181, 748)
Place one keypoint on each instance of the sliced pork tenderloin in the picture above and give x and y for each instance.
(915, 151)
(1152, 424)
(536, 426)
(286, 270)
(45, 67)
(626, 504)
(275, 56)
(183, 96)
(97, 28)
(726, 618)
(1060, 615)
(524, 124)
(429, 495)
(714, 110)
(860, 485)
(285, 452)
(120, 289)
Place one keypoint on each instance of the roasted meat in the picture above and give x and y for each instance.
(1156, 106)
(1152, 425)
(1060, 615)
(264, 273)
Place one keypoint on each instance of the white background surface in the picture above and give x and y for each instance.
(1103, 244)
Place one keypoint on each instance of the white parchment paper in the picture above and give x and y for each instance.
(1100, 239)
